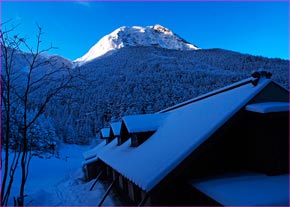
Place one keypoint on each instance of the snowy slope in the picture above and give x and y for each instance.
(157, 36)
(58, 181)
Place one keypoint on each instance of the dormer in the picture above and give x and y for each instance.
(140, 127)
(105, 133)
(124, 135)
(115, 129)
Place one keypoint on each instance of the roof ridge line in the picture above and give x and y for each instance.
(201, 97)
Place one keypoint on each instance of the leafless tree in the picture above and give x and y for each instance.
(8, 49)
(37, 80)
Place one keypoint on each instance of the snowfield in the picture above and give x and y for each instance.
(58, 181)
(156, 35)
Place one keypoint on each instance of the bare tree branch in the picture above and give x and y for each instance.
(35, 78)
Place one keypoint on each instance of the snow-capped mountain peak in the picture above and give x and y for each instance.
(156, 36)
(162, 29)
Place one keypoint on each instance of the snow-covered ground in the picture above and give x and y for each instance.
(58, 181)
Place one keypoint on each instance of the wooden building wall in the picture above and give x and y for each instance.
(268, 142)
(91, 170)
(131, 194)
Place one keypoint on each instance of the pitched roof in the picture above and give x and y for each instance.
(246, 189)
(182, 131)
(144, 122)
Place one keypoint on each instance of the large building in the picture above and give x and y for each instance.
(227, 147)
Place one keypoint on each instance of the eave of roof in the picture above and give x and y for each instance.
(93, 152)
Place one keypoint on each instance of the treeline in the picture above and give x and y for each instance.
(145, 80)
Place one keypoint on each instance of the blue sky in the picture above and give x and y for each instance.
(258, 28)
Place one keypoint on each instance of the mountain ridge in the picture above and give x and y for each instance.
(143, 79)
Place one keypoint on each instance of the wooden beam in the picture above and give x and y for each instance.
(107, 192)
(97, 178)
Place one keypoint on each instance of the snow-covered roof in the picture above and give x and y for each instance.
(144, 122)
(214, 92)
(116, 128)
(89, 161)
(182, 131)
(246, 189)
(105, 132)
(268, 107)
(93, 152)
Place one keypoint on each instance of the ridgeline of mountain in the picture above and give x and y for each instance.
(20, 61)
(157, 36)
(139, 78)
